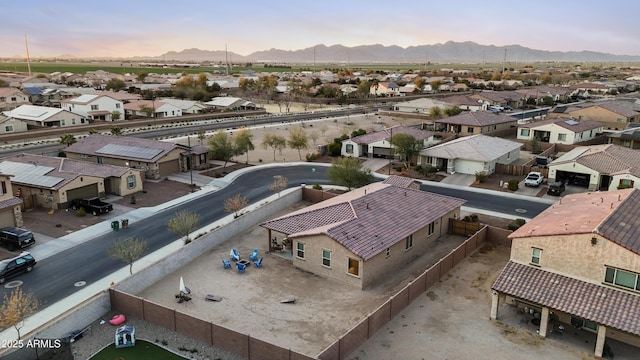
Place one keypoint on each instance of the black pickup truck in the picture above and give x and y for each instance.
(92, 205)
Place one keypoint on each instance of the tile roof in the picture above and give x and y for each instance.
(571, 124)
(611, 214)
(400, 181)
(365, 220)
(460, 100)
(10, 202)
(477, 118)
(619, 109)
(607, 159)
(139, 104)
(476, 147)
(386, 134)
(601, 304)
(92, 144)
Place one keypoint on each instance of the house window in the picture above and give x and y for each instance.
(61, 122)
(582, 323)
(536, 254)
(8, 128)
(431, 229)
(349, 148)
(117, 106)
(131, 181)
(73, 121)
(625, 183)
(619, 120)
(509, 155)
(408, 244)
(203, 158)
(300, 250)
(388, 252)
(470, 130)
(562, 137)
(100, 160)
(622, 278)
(3, 187)
(354, 267)
(524, 132)
(14, 98)
(94, 107)
(326, 258)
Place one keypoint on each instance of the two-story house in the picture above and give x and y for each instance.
(560, 130)
(385, 88)
(151, 108)
(11, 98)
(578, 263)
(474, 123)
(95, 107)
(10, 203)
(612, 116)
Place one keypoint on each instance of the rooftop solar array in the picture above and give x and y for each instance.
(571, 122)
(129, 151)
(30, 174)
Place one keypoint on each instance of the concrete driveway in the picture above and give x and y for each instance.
(458, 179)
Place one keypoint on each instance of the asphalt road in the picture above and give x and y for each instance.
(54, 277)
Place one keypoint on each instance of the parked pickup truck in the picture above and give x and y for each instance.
(92, 205)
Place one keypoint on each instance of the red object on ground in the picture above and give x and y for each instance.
(117, 320)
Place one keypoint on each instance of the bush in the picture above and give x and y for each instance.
(512, 184)
(398, 168)
(312, 156)
(81, 212)
(317, 187)
(515, 224)
(333, 149)
(481, 176)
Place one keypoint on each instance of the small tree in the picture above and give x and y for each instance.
(350, 173)
(115, 116)
(67, 139)
(235, 204)
(221, 147)
(278, 184)
(298, 140)
(115, 85)
(127, 250)
(16, 307)
(116, 131)
(147, 110)
(314, 136)
(243, 143)
(406, 146)
(534, 146)
(275, 142)
(183, 223)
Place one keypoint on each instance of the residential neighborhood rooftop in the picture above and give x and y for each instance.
(385, 134)
(476, 147)
(477, 118)
(575, 125)
(123, 147)
(609, 159)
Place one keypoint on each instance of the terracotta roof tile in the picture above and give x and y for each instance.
(477, 118)
(400, 181)
(601, 304)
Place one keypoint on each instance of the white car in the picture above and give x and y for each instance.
(534, 178)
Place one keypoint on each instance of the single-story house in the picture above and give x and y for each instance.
(43, 116)
(52, 182)
(420, 106)
(477, 122)
(385, 88)
(11, 98)
(156, 158)
(152, 109)
(376, 143)
(229, 103)
(10, 125)
(560, 130)
(628, 138)
(10, 203)
(471, 154)
(187, 106)
(598, 167)
(352, 239)
(577, 263)
(463, 102)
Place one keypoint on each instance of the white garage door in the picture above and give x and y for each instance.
(468, 167)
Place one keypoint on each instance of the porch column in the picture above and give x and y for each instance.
(602, 336)
(495, 301)
(544, 321)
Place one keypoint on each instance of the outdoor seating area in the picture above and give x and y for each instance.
(242, 264)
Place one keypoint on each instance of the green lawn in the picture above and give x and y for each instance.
(143, 350)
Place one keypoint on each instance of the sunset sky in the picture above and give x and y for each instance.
(117, 28)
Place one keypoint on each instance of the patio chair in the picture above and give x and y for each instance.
(234, 254)
(258, 263)
(254, 255)
(240, 267)
(226, 264)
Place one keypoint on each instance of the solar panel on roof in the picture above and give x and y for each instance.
(30, 174)
(571, 122)
(129, 151)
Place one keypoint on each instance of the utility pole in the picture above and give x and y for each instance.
(190, 163)
(26, 44)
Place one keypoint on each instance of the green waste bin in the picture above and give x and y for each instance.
(115, 225)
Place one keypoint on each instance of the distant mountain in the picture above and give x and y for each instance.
(450, 52)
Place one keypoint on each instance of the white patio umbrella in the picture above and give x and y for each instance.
(183, 289)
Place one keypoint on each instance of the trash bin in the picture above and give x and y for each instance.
(125, 223)
(115, 225)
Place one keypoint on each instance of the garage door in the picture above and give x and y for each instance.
(381, 151)
(168, 168)
(82, 192)
(468, 167)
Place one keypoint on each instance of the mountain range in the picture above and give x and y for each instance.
(449, 52)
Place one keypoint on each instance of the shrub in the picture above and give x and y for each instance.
(317, 187)
(481, 176)
(81, 212)
(512, 184)
(312, 156)
(398, 168)
(515, 224)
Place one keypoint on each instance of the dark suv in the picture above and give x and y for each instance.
(16, 265)
(556, 188)
(15, 238)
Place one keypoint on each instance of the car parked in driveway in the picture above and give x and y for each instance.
(534, 179)
(16, 265)
(556, 188)
(15, 238)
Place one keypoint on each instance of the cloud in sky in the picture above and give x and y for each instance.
(119, 28)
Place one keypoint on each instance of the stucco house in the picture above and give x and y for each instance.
(463, 102)
(152, 109)
(612, 116)
(11, 98)
(52, 182)
(420, 106)
(156, 158)
(384, 88)
(560, 130)
(187, 106)
(577, 263)
(376, 143)
(43, 116)
(471, 154)
(598, 167)
(352, 239)
(10, 203)
(478, 122)
(96, 107)
(10, 125)
(628, 138)
(229, 103)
